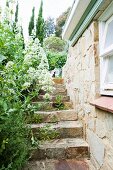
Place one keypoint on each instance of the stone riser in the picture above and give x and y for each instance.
(57, 116)
(59, 93)
(51, 105)
(61, 149)
(58, 80)
(64, 132)
(60, 153)
(65, 164)
(52, 98)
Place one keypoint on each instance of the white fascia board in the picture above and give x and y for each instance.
(77, 11)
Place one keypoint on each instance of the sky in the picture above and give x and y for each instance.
(51, 8)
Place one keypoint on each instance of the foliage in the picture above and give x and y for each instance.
(46, 133)
(54, 44)
(17, 92)
(14, 142)
(13, 133)
(58, 102)
(60, 22)
(22, 35)
(10, 44)
(16, 13)
(56, 60)
(40, 33)
(55, 49)
(49, 27)
(31, 23)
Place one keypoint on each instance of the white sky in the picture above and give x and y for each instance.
(52, 8)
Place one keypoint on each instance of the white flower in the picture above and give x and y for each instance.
(11, 91)
(47, 96)
(26, 85)
(9, 65)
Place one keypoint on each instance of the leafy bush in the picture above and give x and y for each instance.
(22, 75)
(54, 44)
(13, 141)
(10, 44)
(55, 49)
(56, 60)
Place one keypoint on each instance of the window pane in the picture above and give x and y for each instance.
(109, 35)
(109, 75)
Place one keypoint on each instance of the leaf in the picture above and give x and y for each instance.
(2, 57)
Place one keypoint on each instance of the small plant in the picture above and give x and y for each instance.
(54, 119)
(58, 102)
(34, 118)
(46, 133)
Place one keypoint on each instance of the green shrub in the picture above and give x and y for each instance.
(22, 74)
(54, 44)
(56, 60)
(13, 141)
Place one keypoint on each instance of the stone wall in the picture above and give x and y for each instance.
(81, 75)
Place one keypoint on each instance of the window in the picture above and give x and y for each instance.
(106, 52)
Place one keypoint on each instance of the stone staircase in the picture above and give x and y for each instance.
(68, 150)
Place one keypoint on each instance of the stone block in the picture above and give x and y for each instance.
(95, 31)
(97, 147)
(100, 128)
(91, 124)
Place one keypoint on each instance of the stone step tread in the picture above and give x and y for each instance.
(64, 143)
(59, 115)
(50, 102)
(57, 112)
(59, 91)
(59, 85)
(61, 124)
(50, 164)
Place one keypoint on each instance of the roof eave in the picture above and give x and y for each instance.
(77, 11)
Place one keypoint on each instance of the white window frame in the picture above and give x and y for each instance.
(104, 20)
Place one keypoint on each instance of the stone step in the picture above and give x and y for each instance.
(90, 164)
(42, 105)
(58, 80)
(68, 148)
(59, 91)
(59, 86)
(56, 116)
(64, 129)
(64, 98)
(66, 164)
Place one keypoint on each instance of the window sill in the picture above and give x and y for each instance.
(104, 103)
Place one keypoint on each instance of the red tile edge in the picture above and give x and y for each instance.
(104, 103)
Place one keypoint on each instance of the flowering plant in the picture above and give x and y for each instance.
(22, 74)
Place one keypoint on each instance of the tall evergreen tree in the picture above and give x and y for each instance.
(40, 25)
(7, 3)
(22, 37)
(16, 13)
(31, 23)
(6, 14)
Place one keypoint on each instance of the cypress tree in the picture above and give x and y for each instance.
(22, 37)
(40, 25)
(6, 15)
(31, 23)
(16, 13)
(7, 3)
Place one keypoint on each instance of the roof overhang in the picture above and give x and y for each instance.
(77, 11)
(81, 15)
